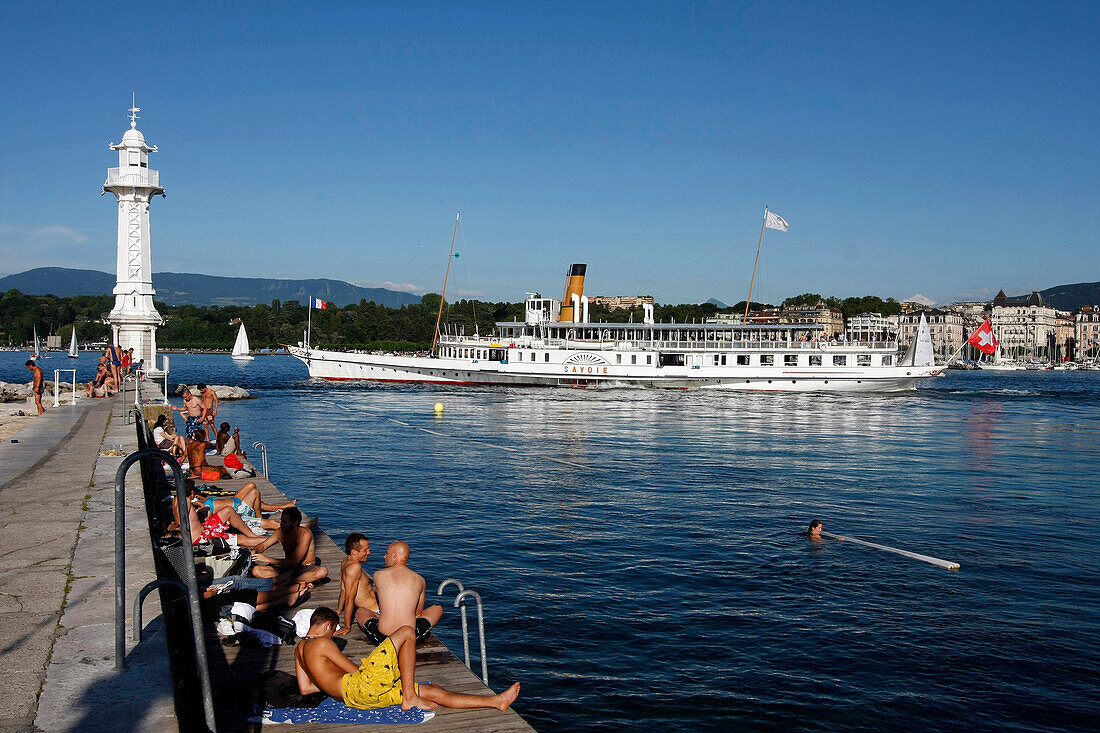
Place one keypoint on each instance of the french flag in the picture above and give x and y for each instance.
(317, 303)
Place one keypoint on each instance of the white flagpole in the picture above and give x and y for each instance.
(754, 264)
(309, 323)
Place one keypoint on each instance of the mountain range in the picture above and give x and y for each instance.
(184, 288)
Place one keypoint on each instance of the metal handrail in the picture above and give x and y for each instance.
(263, 457)
(56, 380)
(462, 596)
(462, 612)
(189, 558)
(141, 596)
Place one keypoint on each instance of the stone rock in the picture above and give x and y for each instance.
(15, 392)
(222, 391)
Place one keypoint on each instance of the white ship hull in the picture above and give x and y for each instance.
(576, 368)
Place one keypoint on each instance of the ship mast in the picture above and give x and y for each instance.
(754, 264)
(446, 275)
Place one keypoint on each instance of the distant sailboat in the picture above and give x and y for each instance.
(921, 351)
(38, 353)
(72, 346)
(240, 347)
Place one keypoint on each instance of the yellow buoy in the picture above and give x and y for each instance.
(438, 408)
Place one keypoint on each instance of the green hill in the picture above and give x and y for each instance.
(181, 288)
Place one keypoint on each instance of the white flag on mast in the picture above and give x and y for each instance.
(773, 220)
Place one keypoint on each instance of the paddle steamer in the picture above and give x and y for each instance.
(557, 345)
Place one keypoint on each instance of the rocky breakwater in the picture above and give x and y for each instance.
(223, 392)
(14, 391)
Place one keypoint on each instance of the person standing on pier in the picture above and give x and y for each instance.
(210, 402)
(193, 411)
(37, 384)
(400, 599)
(387, 677)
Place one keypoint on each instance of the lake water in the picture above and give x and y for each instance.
(641, 554)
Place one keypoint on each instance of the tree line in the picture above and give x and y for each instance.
(362, 325)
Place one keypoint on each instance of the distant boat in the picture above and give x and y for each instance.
(72, 345)
(240, 347)
(999, 363)
(38, 353)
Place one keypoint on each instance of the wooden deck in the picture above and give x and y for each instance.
(232, 666)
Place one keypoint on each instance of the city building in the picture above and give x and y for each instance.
(974, 312)
(1087, 332)
(622, 302)
(945, 326)
(1025, 327)
(1065, 335)
(829, 318)
(872, 327)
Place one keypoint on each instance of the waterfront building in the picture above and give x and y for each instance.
(622, 302)
(1087, 332)
(1025, 327)
(134, 318)
(974, 312)
(946, 326)
(1065, 335)
(830, 319)
(872, 327)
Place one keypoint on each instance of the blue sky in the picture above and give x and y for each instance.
(946, 149)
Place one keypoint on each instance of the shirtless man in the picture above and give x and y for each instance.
(210, 402)
(244, 537)
(37, 385)
(299, 564)
(114, 361)
(400, 598)
(196, 454)
(377, 683)
(356, 591)
(194, 411)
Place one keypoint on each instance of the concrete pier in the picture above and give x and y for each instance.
(57, 663)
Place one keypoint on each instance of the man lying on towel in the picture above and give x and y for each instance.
(386, 677)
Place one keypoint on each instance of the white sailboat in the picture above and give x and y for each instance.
(72, 346)
(999, 363)
(921, 352)
(240, 347)
(38, 353)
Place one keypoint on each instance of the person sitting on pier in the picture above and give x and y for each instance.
(194, 413)
(164, 440)
(247, 503)
(356, 590)
(206, 525)
(386, 677)
(196, 459)
(300, 563)
(229, 443)
(400, 599)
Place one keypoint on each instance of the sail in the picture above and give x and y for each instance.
(240, 348)
(921, 352)
(37, 346)
(72, 344)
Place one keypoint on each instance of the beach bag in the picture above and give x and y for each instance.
(210, 474)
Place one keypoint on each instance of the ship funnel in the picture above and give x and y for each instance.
(574, 286)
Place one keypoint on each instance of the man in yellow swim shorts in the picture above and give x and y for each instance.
(386, 677)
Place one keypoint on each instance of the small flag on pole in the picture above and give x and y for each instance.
(984, 339)
(317, 303)
(773, 220)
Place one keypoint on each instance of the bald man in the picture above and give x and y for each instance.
(400, 594)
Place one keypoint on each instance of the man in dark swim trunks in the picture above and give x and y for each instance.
(37, 384)
(114, 361)
(400, 599)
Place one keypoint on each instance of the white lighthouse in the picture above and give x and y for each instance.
(134, 319)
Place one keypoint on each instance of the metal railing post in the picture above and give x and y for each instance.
(263, 458)
(188, 558)
(462, 613)
(143, 593)
(56, 377)
(463, 595)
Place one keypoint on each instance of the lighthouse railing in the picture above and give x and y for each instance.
(133, 176)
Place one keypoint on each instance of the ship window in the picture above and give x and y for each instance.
(649, 358)
(840, 361)
(716, 361)
(546, 356)
(767, 359)
(618, 358)
(888, 360)
(790, 360)
(863, 360)
(815, 360)
(723, 359)
(742, 360)
(633, 358)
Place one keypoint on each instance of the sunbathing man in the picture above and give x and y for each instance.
(299, 564)
(246, 502)
(356, 590)
(196, 459)
(210, 402)
(378, 682)
(205, 526)
(400, 599)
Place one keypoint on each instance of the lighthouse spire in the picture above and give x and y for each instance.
(134, 109)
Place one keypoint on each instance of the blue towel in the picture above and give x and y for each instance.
(334, 711)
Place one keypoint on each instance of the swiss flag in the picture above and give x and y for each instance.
(984, 339)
